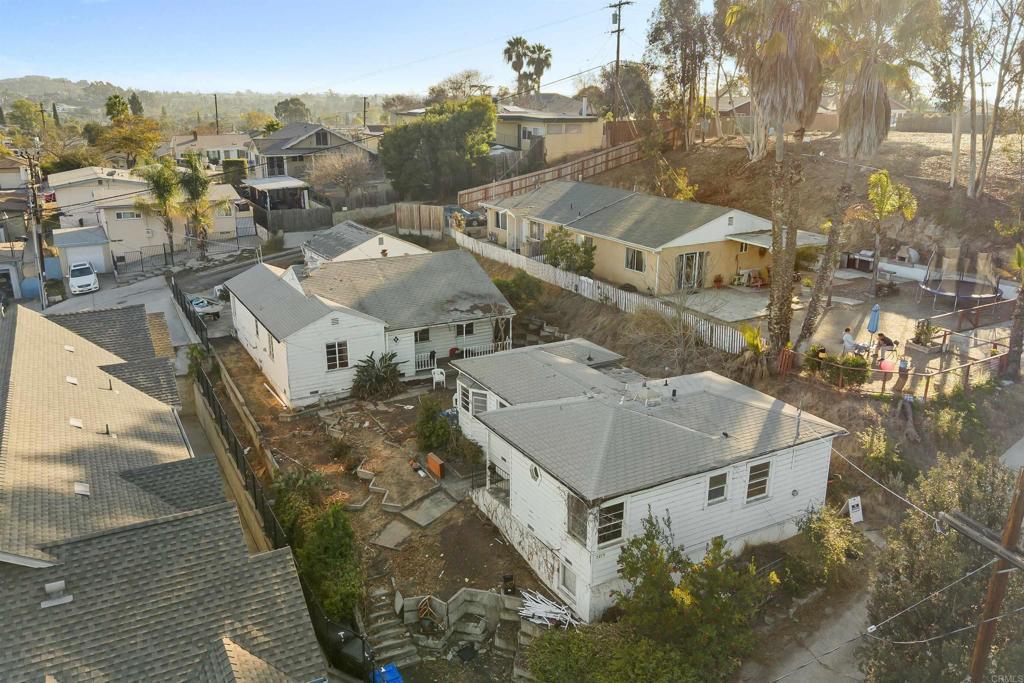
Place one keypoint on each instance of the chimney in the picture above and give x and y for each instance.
(583, 109)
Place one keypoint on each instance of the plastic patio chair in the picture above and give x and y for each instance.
(438, 375)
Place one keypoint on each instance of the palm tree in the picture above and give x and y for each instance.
(1017, 327)
(886, 198)
(515, 54)
(538, 58)
(785, 73)
(163, 200)
(198, 207)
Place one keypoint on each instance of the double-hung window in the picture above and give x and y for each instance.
(717, 487)
(536, 230)
(757, 480)
(322, 138)
(337, 355)
(635, 260)
(576, 521)
(609, 523)
(464, 329)
(422, 335)
(479, 401)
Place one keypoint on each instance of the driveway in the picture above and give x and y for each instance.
(153, 293)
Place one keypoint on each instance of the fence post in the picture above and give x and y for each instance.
(927, 383)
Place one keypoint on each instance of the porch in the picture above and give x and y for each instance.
(427, 361)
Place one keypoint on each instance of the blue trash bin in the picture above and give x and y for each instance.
(387, 674)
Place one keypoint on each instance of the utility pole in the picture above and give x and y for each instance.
(36, 212)
(365, 99)
(617, 22)
(1006, 549)
(704, 108)
(216, 113)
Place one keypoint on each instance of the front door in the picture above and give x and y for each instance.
(690, 270)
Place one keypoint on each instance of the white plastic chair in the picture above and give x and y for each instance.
(438, 375)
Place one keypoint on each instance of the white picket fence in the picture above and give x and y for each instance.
(714, 334)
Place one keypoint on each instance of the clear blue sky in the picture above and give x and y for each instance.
(349, 47)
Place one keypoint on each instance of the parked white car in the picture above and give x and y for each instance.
(82, 278)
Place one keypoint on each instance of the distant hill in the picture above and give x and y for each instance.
(85, 100)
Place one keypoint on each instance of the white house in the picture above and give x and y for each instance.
(308, 332)
(74, 191)
(213, 148)
(14, 172)
(579, 451)
(350, 241)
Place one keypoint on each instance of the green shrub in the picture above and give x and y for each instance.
(433, 431)
(377, 378)
(460, 447)
(831, 541)
(881, 456)
(274, 243)
(850, 370)
(235, 171)
(329, 561)
(521, 291)
(949, 424)
(812, 358)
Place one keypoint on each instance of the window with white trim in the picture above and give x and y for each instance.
(744, 247)
(635, 260)
(757, 480)
(536, 230)
(567, 581)
(609, 523)
(478, 399)
(337, 355)
(717, 485)
(464, 398)
(502, 220)
(463, 329)
(127, 215)
(576, 517)
(421, 336)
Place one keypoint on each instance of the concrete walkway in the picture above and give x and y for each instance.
(1014, 456)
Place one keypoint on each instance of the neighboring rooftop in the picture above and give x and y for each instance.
(414, 291)
(9, 161)
(290, 141)
(278, 182)
(184, 143)
(92, 173)
(341, 238)
(626, 216)
(602, 446)
(116, 198)
(174, 599)
(79, 237)
(279, 306)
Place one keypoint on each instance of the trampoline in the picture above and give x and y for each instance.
(951, 283)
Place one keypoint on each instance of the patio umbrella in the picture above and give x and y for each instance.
(876, 312)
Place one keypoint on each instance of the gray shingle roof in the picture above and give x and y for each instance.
(278, 306)
(184, 484)
(43, 455)
(627, 216)
(228, 662)
(149, 601)
(543, 373)
(412, 291)
(154, 376)
(79, 237)
(602, 448)
(336, 241)
(121, 331)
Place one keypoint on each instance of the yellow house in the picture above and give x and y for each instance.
(644, 243)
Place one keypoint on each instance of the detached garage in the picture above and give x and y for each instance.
(88, 244)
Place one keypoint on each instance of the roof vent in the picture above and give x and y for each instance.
(81, 489)
(71, 380)
(76, 422)
(69, 348)
(55, 594)
(111, 174)
(725, 434)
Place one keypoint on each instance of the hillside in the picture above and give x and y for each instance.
(89, 97)
(921, 160)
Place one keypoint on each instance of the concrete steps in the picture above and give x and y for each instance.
(388, 636)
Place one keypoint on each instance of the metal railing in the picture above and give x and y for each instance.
(485, 349)
(194, 319)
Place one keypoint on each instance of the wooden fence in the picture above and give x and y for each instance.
(714, 334)
(294, 220)
(422, 218)
(584, 167)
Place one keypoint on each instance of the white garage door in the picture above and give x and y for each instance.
(93, 254)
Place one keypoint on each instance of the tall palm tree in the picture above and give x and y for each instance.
(198, 207)
(515, 54)
(785, 72)
(538, 58)
(164, 198)
(1017, 326)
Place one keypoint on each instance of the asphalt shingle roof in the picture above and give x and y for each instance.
(43, 453)
(630, 217)
(79, 237)
(414, 291)
(183, 484)
(229, 662)
(149, 601)
(154, 376)
(603, 445)
(123, 332)
(543, 373)
(278, 306)
(336, 241)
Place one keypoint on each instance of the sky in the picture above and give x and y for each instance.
(363, 47)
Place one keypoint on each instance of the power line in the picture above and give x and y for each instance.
(947, 634)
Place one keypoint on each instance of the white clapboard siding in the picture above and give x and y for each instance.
(257, 345)
(309, 378)
(714, 334)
